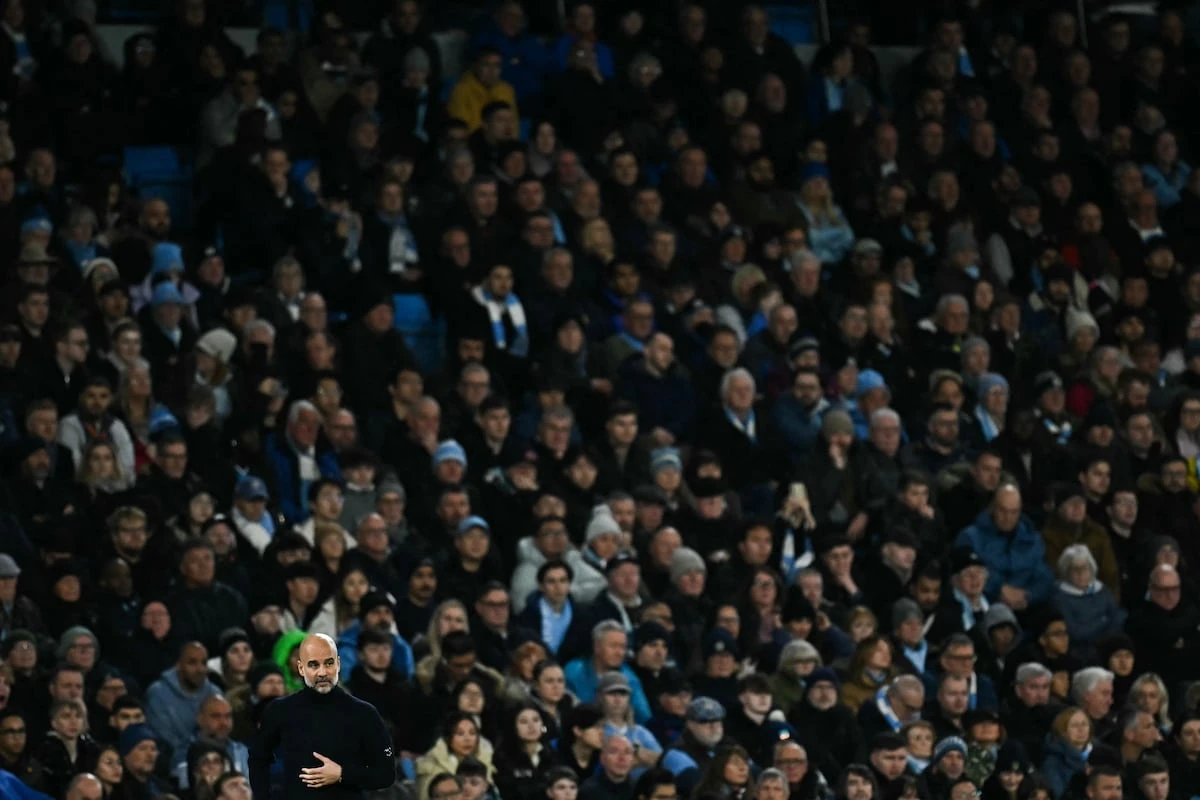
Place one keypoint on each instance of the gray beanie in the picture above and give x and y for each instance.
(903, 610)
(836, 421)
(68, 638)
(602, 522)
(686, 560)
(798, 650)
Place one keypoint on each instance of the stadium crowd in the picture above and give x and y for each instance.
(644, 412)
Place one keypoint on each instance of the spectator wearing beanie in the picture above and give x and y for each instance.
(139, 750)
(947, 766)
(690, 604)
(375, 611)
(263, 684)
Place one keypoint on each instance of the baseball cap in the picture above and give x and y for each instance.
(251, 488)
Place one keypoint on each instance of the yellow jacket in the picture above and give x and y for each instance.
(470, 96)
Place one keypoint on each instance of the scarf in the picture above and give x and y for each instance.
(885, 709)
(402, 247)
(917, 657)
(987, 424)
(1074, 591)
(748, 427)
(1061, 431)
(968, 613)
(918, 765)
(509, 330)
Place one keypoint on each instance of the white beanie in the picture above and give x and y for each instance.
(602, 522)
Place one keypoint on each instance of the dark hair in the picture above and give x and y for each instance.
(549, 565)
(457, 643)
(1102, 771)
(651, 779)
(442, 777)
(450, 724)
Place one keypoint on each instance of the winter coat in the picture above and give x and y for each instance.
(1059, 535)
(1017, 559)
(1091, 614)
(1061, 763)
(439, 759)
(171, 710)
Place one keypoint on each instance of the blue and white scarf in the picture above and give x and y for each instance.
(402, 245)
(496, 307)
(987, 424)
(885, 708)
(747, 427)
(969, 617)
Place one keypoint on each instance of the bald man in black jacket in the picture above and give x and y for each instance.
(327, 737)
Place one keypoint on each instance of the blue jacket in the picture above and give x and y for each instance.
(1060, 764)
(171, 710)
(347, 645)
(1166, 188)
(799, 428)
(667, 401)
(13, 787)
(289, 490)
(1090, 616)
(1017, 559)
(526, 61)
(831, 242)
(581, 679)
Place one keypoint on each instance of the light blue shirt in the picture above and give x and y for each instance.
(555, 624)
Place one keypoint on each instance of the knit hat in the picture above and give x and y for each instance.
(390, 485)
(1012, 757)
(963, 557)
(948, 745)
(1062, 491)
(823, 675)
(8, 566)
(260, 671)
(166, 257)
(999, 614)
(836, 421)
(989, 381)
(686, 560)
(373, 600)
(1025, 197)
(1077, 320)
(705, 709)
(649, 632)
(230, 637)
(720, 641)
(798, 650)
(973, 343)
(903, 610)
(707, 487)
(665, 458)
(450, 450)
(1045, 381)
(813, 170)
(217, 343)
(70, 635)
(165, 293)
(601, 523)
(162, 420)
(134, 735)
(869, 380)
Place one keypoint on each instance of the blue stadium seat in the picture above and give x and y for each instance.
(423, 332)
(796, 23)
(160, 172)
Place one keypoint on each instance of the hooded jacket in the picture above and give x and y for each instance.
(171, 710)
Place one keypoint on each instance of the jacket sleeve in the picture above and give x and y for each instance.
(262, 750)
(378, 767)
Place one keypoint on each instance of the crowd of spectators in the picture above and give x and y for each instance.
(644, 411)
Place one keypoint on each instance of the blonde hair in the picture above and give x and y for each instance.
(431, 634)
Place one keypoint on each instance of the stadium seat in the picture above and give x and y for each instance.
(423, 332)
(160, 172)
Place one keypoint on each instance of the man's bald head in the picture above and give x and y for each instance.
(85, 786)
(319, 663)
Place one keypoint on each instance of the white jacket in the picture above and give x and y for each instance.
(72, 436)
(588, 583)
